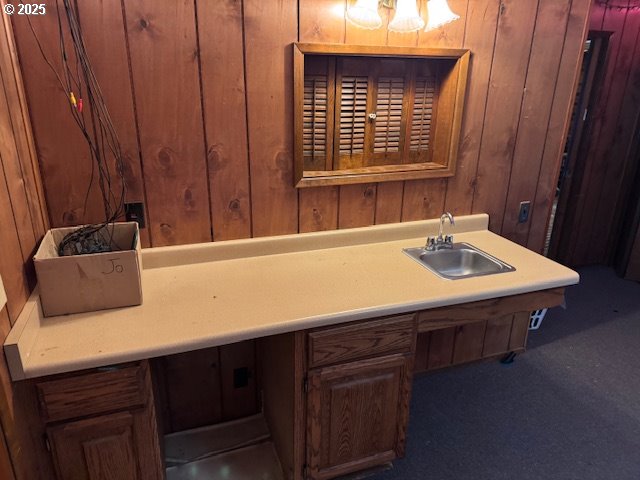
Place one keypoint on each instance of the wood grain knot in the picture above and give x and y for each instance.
(234, 205)
(69, 218)
(189, 201)
(165, 158)
(369, 192)
(166, 230)
(215, 159)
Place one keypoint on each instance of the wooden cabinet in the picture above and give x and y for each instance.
(115, 446)
(358, 395)
(102, 424)
(357, 415)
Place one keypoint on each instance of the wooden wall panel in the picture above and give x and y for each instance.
(21, 128)
(221, 46)
(426, 198)
(617, 140)
(482, 21)
(594, 221)
(108, 52)
(63, 153)
(320, 21)
(622, 47)
(542, 73)
(223, 163)
(504, 101)
(564, 94)
(164, 64)
(270, 29)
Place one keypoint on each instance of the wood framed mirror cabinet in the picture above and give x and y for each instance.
(373, 113)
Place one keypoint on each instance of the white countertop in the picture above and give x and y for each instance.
(205, 295)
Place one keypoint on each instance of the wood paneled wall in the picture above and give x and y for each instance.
(609, 163)
(23, 222)
(201, 95)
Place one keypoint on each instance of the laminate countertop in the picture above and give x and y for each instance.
(204, 295)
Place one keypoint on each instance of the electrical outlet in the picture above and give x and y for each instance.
(523, 214)
(135, 213)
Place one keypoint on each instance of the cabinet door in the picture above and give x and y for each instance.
(357, 415)
(117, 446)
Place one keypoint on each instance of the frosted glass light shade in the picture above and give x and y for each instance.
(364, 14)
(407, 18)
(439, 14)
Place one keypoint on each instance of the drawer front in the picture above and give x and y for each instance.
(365, 339)
(92, 393)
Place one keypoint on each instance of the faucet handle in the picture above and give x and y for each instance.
(431, 243)
(448, 239)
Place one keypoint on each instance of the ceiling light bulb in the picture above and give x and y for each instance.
(364, 14)
(407, 18)
(439, 14)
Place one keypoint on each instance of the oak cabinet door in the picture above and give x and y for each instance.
(357, 415)
(109, 447)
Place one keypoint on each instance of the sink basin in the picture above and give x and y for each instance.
(460, 261)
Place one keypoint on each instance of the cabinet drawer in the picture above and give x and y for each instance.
(351, 342)
(92, 393)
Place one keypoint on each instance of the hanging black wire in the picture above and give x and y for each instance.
(102, 142)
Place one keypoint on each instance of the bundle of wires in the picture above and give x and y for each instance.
(102, 142)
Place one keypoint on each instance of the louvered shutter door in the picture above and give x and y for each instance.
(314, 133)
(423, 114)
(388, 115)
(352, 121)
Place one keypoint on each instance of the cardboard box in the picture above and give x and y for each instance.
(84, 283)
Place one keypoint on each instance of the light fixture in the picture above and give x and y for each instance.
(407, 18)
(439, 14)
(364, 14)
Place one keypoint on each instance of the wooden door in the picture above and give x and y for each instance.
(115, 446)
(357, 415)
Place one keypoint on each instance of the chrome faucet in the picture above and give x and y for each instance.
(441, 241)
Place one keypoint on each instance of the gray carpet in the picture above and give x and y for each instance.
(569, 408)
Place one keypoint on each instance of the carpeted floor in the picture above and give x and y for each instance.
(569, 408)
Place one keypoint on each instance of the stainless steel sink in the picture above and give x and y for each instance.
(460, 261)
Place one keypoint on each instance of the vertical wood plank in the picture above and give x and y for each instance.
(170, 119)
(357, 203)
(618, 136)
(504, 101)
(63, 152)
(566, 85)
(21, 123)
(422, 352)
(426, 198)
(390, 195)
(193, 393)
(389, 202)
(223, 94)
(480, 35)
(441, 348)
(11, 259)
(15, 184)
(624, 147)
(238, 400)
(578, 243)
(270, 28)
(519, 331)
(496, 337)
(469, 341)
(542, 74)
(320, 21)
(110, 61)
